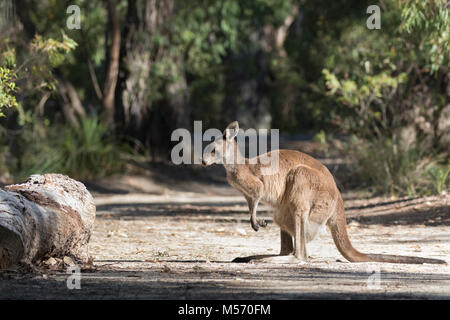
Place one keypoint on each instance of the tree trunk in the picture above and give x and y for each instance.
(48, 215)
(246, 89)
(135, 62)
(113, 65)
(275, 38)
(141, 116)
(71, 103)
(22, 11)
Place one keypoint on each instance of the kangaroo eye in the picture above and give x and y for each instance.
(213, 153)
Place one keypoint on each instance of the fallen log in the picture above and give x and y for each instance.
(48, 215)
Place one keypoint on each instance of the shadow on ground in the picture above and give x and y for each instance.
(260, 283)
(411, 213)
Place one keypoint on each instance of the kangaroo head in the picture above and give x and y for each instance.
(223, 149)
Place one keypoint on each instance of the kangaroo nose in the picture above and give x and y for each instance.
(204, 162)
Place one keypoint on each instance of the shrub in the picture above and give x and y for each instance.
(83, 153)
(385, 167)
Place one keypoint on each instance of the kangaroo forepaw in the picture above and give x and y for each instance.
(255, 226)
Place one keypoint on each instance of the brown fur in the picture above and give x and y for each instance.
(305, 198)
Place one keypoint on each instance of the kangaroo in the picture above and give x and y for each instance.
(303, 194)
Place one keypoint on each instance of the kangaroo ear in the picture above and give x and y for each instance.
(231, 131)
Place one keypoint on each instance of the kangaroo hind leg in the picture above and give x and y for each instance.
(285, 256)
(287, 246)
(300, 235)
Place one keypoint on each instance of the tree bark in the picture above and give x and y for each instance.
(246, 89)
(275, 38)
(71, 103)
(141, 116)
(48, 215)
(113, 65)
(23, 13)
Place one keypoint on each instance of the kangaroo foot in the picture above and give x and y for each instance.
(288, 259)
(258, 223)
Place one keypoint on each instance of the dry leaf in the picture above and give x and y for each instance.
(50, 262)
(68, 260)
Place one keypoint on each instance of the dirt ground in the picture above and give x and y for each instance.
(177, 240)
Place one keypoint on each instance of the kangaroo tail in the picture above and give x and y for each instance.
(338, 227)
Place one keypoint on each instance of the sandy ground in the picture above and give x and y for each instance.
(170, 244)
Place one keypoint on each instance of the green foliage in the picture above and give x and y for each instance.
(84, 152)
(322, 139)
(44, 56)
(8, 78)
(330, 75)
(54, 50)
(215, 37)
(36, 59)
(50, 18)
(379, 83)
(7, 89)
(386, 168)
(366, 99)
(206, 31)
(430, 20)
(439, 176)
